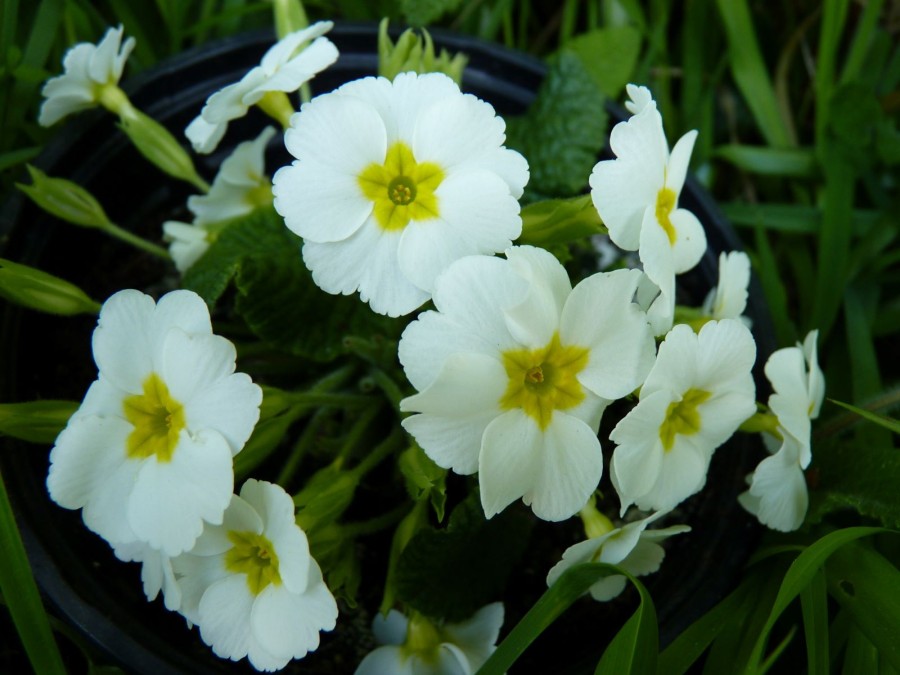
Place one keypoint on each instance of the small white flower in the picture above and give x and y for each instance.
(636, 195)
(393, 182)
(419, 647)
(88, 70)
(728, 300)
(631, 547)
(286, 67)
(251, 584)
(240, 186)
(514, 370)
(777, 494)
(148, 455)
(698, 393)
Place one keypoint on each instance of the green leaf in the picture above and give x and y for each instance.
(276, 294)
(276, 415)
(36, 289)
(451, 573)
(867, 587)
(635, 648)
(861, 657)
(800, 575)
(794, 218)
(856, 475)
(22, 597)
(35, 421)
(424, 12)
(571, 585)
(881, 420)
(336, 554)
(553, 222)
(609, 55)
(765, 161)
(564, 130)
(814, 604)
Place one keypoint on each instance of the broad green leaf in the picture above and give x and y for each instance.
(861, 657)
(564, 130)
(35, 421)
(22, 597)
(856, 475)
(609, 55)
(814, 604)
(875, 418)
(38, 290)
(867, 587)
(552, 222)
(830, 29)
(450, 573)
(800, 575)
(412, 522)
(571, 585)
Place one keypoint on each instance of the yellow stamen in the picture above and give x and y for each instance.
(253, 555)
(682, 417)
(157, 418)
(665, 203)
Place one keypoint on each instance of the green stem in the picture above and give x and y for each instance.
(138, 242)
(382, 451)
(307, 438)
(388, 386)
(376, 524)
(356, 434)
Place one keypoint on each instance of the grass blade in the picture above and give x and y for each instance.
(814, 604)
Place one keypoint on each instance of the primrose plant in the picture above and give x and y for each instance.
(403, 194)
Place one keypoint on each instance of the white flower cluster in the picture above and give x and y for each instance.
(148, 459)
(403, 191)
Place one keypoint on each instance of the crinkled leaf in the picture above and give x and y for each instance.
(35, 421)
(860, 476)
(552, 222)
(867, 586)
(451, 573)
(276, 294)
(609, 55)
(564, 130)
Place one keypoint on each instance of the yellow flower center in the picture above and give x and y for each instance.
(157, 418)
(402, 189)
(544, 380)
(682, 417)
(665, 202)
(423, 639)
(253, 555)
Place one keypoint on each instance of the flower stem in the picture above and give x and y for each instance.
(307, 438)
(138, 242)
(381, 451)
(375, 524)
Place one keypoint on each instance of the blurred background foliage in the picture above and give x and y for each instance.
(797, 106)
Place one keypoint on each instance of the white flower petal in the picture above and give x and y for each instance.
(293, 74)
(779, 489)
(106, 512)
(171, 500)
(679, 160)
(224, 617)
(390, 629)
(477, 636)
(570, 467)
(205, 136)
(387, 659)
(535, 319)
(682, 473)
(509, 461)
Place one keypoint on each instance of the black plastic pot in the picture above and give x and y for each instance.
(101, 596)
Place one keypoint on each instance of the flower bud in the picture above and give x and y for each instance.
(44, 292)
(64, 199)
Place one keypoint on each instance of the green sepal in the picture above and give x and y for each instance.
(36, 289)
(64, 199)
(424, 479)
(325, 497)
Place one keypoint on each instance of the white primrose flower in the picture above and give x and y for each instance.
(418, 647)
(696, 396)
(251, 584)
(728, 299)
(637, 193)
(514, 370)
(394, 181)
(240, 186)
(632, 547)
(286, 67)
(777, 494)
(89, 70)
(148, 454)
